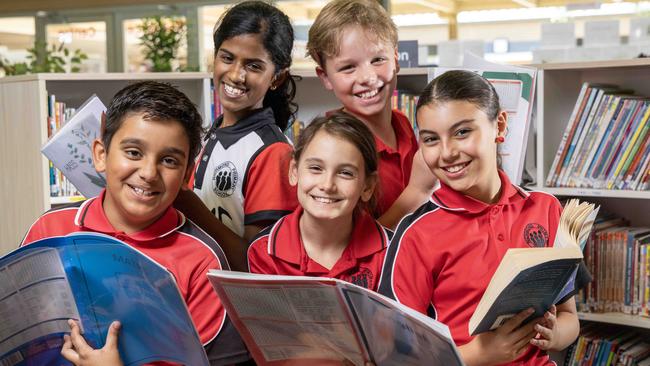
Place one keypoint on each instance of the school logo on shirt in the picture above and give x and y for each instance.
(362, 278)
(224, 179)
(536, 236)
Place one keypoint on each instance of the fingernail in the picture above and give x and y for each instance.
(530, 310)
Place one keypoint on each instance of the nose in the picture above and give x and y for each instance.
(237, 73)
(368, 75)
(449, 151)
(148, 170)
(327, 183)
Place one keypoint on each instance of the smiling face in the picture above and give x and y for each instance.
(363, 74)
(243, 73)
(145, 165)
(331, 179)
(458, 145)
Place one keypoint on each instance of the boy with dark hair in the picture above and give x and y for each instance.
(151, 136)
(354, 43)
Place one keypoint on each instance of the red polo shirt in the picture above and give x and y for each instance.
(443, 256)
(395, 164)
(279, 250)
(176, 244)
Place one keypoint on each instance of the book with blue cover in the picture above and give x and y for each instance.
(94, 279)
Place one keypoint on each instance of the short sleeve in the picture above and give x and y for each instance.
(259, 261)
(405, 276)
(267, 193)
(204, 304)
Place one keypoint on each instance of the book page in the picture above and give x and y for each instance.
(395, 338)
(295, 321)
(35, 300)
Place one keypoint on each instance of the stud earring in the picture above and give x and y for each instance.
(499, 139)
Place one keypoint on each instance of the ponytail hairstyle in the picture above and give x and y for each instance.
(349, 128)
(276, 32)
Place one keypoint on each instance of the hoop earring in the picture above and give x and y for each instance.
(499, 139)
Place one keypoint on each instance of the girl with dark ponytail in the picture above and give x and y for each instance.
(242, 175)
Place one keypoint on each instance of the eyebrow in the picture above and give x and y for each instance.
(344, 165)
(453, 127)
(140, 142)
(246, 59)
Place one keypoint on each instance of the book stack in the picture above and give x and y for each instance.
(618, 257)
(606, 142)
(603, 347)
(405, 102)
(57, 115)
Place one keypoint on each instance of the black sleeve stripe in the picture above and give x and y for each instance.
(265, 216)
(386, 279)
(191, 229)
(227, 348)
(275, 235)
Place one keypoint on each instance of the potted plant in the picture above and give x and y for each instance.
(161, 38)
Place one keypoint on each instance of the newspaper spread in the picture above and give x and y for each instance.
(327, 321)
(515, 86)
(95, 279)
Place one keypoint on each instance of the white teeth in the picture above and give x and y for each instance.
(369, 94)
(455, 168)
(142, 192)
(324, 199)
(232, 91)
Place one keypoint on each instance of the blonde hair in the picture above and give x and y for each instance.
(325, 34)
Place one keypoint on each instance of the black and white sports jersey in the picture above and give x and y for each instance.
(242, 174)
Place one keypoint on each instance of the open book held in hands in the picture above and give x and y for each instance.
(536, 277)
(293, 320)
(70, 149)
(95, 279)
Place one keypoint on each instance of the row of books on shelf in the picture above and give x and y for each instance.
(405, 102)
(599, 346)
(58, 113)
(606, 142)
(618, 257)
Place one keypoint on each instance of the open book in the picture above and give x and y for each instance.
(536, 277)
(310, 320)
(70, 149)
(95, 279)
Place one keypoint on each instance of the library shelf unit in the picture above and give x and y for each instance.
(558, 87)
(24, 186)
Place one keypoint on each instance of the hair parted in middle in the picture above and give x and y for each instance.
(276, 32)
(347, 127)
(325, 34)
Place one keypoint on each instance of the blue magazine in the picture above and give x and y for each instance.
(96, 279)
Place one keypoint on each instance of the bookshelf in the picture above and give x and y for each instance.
(24, 186)
(558, 89)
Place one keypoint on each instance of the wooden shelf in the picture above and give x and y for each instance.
(588, 192)
(65, 200)
(617, 318)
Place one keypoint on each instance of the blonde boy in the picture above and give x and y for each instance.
(354, 43)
